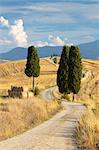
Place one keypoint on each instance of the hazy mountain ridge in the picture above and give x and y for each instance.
(88, 50)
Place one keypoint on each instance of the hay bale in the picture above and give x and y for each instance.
(21, 89)
(9, 93)
(15, 92)
(13, 88)
(20, 95)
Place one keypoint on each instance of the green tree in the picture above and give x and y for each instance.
(75, 70)
(32, 66)
(55, 60)
(62, 73)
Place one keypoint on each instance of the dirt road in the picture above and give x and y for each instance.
(54, 134)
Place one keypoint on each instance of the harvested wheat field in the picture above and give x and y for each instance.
(12, 73)
(89, 91)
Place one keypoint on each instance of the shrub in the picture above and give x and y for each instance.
(66, 97)
(36, 91)
(55, 60)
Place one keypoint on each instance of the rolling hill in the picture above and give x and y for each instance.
(88, 51)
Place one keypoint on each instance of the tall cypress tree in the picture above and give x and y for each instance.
(32, 66)
(62, 73)
(75, 70)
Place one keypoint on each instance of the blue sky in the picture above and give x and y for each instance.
(49, 22)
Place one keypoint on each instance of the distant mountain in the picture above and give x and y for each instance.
(88, 50)
(21, 53)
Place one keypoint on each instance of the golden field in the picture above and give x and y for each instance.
(12, 73)
(89, 92)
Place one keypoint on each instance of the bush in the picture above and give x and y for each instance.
(36, 91)
(55, 60)
(66, 97)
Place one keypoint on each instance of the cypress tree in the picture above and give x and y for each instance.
(62, 73)
(32, 66)
(75, 70)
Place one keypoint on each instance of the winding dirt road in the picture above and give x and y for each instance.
(54, 134)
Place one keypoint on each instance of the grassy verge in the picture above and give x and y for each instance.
(16, 116)
(87, 131)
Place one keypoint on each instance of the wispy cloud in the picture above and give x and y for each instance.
(5, 42)
(69, 8)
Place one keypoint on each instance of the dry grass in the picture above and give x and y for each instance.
(89, 92)
(87, 131)
(18, 115)
(12, 73)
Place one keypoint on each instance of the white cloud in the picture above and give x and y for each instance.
(4, 22)
(5, 42)
(57, 41)
(53, 41)
(40, 43)
(70, 44)
(18, 33)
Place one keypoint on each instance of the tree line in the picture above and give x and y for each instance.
(69, 71)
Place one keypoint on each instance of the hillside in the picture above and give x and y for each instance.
(12, 73)
(88, 51)
(89, 91)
